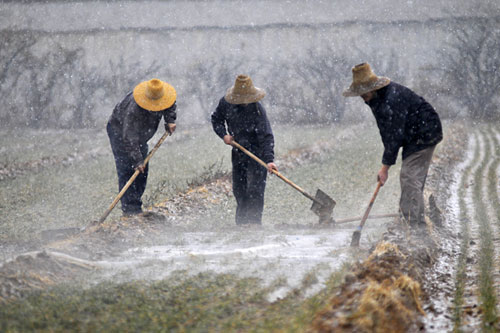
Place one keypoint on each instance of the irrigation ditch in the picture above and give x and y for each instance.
(168, 270)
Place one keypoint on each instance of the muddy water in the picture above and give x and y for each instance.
(283, 258)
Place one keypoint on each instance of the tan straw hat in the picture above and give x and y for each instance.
(243, 91)
(364, 80)
(154, 95)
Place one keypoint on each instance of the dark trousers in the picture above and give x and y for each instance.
(131, 200)
(412, 178)
(249, 184)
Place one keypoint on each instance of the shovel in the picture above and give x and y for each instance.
(322, 203)
(357, 233)
(134, 176)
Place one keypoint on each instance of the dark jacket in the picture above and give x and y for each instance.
(135, 125)
(249, 126)
(404, 120)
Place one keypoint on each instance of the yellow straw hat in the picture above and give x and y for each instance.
(364, 80)
(243, 91)
(154, 95)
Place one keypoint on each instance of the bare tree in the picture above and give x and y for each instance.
(473, 66)
(40, 79)
(84, 82)
(208, 76)
(14, 54)
(308, 90)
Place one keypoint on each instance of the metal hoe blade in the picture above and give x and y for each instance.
(323, 206)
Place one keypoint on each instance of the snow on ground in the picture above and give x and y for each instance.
(439, 320)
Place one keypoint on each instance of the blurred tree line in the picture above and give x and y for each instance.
(58, 89)
(467, 76)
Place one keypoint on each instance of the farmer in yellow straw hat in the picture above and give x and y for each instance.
(241, 117)
(133, 122)
(405, 120)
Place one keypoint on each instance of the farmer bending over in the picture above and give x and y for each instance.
(248, 125)
(404, 120)
(134, 121)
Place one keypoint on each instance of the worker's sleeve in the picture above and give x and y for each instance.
(219, 120)
(170, 115)
(393, 132)
(265, 134)
(131, 139)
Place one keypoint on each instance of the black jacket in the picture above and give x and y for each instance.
(135, 125)
(249, 126)
(404, 120)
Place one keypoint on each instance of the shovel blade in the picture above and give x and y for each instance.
(356, 236)
(323, 205)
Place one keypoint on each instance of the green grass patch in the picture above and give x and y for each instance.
(75, 193)
(201, 303)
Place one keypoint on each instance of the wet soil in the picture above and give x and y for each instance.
(398, 288)
(115, 241)
(390, 290)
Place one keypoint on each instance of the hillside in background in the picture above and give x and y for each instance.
(73, 61)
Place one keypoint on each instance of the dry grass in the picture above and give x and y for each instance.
(379, 297)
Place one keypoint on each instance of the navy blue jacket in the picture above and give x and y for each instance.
(248, 125)
(404, 120)
(135, 125)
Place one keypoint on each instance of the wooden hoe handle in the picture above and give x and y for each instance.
(356, 236)
(286, 180)
(367, 212)
(134, 176)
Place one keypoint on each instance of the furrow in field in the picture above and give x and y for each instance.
(446, 183)
(492, 189)
(482, 218)
(465, 302)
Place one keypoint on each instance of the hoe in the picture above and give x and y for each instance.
(357, 233)
(322, 203)
(131, 180)
(65, 232)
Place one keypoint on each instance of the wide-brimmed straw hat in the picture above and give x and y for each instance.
(364, 80)
(154, 95)
(243, 91)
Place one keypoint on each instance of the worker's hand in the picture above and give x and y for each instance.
(383, 174)
(140, 168)
(228, 139)
(271, 166)
(170, 128)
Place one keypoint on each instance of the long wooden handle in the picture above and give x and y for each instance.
(367, 212)
(134, 176)
(286, 180)
(353, 219)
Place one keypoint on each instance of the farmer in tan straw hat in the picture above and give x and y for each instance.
(407, 121)
(133, 122)
(242, 118)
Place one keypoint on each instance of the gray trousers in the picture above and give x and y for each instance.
(413, 174)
